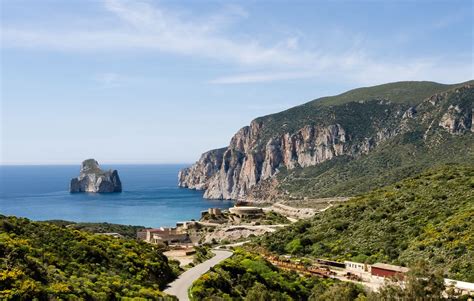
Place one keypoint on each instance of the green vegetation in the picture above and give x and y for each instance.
(246, 276)
(203, 253)
(429, 216)
(269, 218)
(128, 231)
(410, 147)
(353, 107)
(274, 218)
(44, 261)
(385, 165)
(250, 277)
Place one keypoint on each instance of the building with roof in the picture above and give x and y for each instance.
(462, 287)
(242, 211)
(388, 270)
(357, 266)
(163, 235)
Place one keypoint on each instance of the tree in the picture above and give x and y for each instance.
(258, 292)
(343, 291)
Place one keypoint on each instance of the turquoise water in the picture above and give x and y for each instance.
(150, 196)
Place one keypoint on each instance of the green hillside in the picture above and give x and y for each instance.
(50, 262)
(248, 276)
(393, 161)
(342, 145)
(128, 231)
(429, 216)
(412, 145)
(346, 106)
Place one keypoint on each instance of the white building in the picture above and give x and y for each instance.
(357, 266)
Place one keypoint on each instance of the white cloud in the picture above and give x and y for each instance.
(149, 27)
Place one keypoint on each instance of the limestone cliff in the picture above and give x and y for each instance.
(315, 133)
(94, 179)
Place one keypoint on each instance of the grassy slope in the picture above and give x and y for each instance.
(46, 261)
(430, 216)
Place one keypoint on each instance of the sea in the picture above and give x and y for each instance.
(150, 197)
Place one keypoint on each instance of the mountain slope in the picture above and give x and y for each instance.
(43, 261)
(430, 216)
(370, 136)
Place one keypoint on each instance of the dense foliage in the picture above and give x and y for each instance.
(202, 254)
(257, 280)
(127, 231)
(46, 261)
(250, 277)
(429, 216)
(393, 161)
(351, 108)
(411, 146)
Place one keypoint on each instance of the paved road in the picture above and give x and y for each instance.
(180, 286)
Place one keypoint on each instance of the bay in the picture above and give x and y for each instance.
(150, 196)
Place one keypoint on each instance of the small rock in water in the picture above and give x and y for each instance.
(94, 179)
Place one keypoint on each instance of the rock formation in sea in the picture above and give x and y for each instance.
(94, 179)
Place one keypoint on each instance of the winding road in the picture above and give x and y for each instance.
(180, 286)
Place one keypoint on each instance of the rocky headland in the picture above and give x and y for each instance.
(94, 179)
(422, 118)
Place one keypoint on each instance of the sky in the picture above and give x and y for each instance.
(164, 81)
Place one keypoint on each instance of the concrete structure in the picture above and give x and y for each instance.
(164, 235)
(211, 211)
(357, 266)
(141, 235)
(387, 270)
(215, 211)
(465, 288)
(242, 211)
(181, 226)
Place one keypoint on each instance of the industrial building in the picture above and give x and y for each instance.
(388, 270)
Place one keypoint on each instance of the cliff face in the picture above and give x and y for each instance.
(258, 152)
(245, 163)
(93, 179)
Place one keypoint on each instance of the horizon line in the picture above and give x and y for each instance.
(106, 163)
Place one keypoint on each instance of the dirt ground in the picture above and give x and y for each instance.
(179, 255)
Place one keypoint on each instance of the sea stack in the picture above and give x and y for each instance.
(94, 179)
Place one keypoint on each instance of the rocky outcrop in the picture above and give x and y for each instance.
(229, 173)
(94, 179)
(457, 120)
(258, 152)
(197, 176)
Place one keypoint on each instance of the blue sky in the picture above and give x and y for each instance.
(164, 81)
